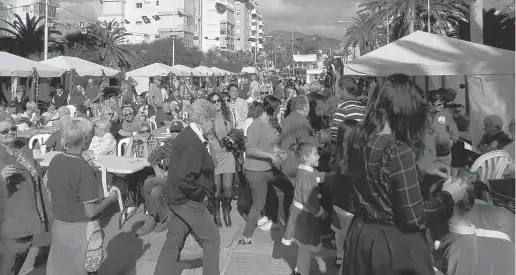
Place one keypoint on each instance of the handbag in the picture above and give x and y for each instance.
(95, 249)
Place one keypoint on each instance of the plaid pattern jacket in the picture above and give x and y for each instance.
(391, 192)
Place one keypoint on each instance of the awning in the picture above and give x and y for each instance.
(202, 71)
(186, 70)
(154, 70)
(305, 58)
(81, 66)
(13, 65)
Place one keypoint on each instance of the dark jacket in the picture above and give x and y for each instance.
(191, 175)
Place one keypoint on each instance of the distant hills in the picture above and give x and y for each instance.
(307, 43)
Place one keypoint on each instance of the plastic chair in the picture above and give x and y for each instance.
(152, 123)
(107, 189)
(492, 165)
(41, 138)
(122, 142)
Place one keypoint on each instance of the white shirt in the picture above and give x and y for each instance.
(73, 109)
(247, 123)
(239, 109)
(105, 145)
(198, 131)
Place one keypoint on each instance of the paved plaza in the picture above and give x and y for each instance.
(130, 255)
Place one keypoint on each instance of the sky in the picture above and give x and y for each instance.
(309, 16)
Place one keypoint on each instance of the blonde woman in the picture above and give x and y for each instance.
(77, 246)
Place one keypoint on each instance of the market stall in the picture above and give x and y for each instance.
(143, 75)
(484, 73)
(80, 66)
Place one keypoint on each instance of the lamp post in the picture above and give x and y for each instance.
(45, 46)
(174, 37)
(292, 42)
(428, 12)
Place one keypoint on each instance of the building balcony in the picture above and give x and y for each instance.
(253, 12)
(260, 31)
(260, 23)
(254, 28)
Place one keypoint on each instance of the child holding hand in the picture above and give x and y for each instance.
(303, 225)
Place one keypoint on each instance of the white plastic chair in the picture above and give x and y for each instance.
(41, 138)
(107, 190)
(122, 142)
(492, 165)
(152, 123)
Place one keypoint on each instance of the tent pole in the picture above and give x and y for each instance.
(466, 96)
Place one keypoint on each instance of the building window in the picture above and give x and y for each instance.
(238, 13)
(223, 28)
(138, 22)
(157, 3)
(139, 5)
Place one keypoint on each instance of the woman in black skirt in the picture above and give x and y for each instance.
(387, 234)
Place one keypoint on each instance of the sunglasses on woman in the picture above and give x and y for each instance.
(6, 131)
(145, 132)
(216, 101)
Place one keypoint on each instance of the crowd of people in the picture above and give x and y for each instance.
(372, 172)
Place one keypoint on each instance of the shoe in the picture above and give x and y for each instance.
(226, 211)
(162, 225)
(216, 212)
(263, 220)
(329, 243)
(243, 241)
(269, 226)
(148, 226)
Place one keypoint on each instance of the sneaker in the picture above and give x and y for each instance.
(269, 226)
(263, 220)
(243, 241)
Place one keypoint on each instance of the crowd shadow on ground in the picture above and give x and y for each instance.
(123, 251)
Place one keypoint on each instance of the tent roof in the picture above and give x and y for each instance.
(421, 53)
(305, 58)
(154, 70)
(202, 71)
(220, 71)
(81, 66)
(249, 70)
(13, 65)
(186, 70)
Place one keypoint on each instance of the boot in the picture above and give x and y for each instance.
(226, 210)
(216, 212)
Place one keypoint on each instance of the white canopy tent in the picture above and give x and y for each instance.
(16, 66)
(485, 73)
(154, 70)
(81, 67)
(249, 70)
(202, 71)
(305, 58)
(141, 75)
(186, 71)
(220, 71)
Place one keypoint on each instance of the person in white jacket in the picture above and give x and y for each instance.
(238, 106)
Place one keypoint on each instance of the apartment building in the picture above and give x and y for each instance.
(218, 25)
(148, 20)
(9, 8)
(249, 26)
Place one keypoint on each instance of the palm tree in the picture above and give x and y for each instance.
(28, 34)
(366, 32)
(109, 38)
(476, 26)
(407, 16)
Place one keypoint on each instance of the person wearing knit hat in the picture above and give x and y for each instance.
(494, 138)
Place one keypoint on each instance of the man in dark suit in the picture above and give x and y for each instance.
(190, 179)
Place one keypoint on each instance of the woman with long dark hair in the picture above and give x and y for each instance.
(387, 234)
(261, 162)
(225, 166)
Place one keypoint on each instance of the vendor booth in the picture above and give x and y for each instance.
(483, 76)
(81, 67)
(312, 74)
(143, 74)
(203, 71)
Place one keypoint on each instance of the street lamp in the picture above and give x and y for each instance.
(174, 38)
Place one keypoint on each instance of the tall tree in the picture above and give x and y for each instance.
(476, 12)
(28, 34)
(407, 16)
(110, 38)
(367, 32)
